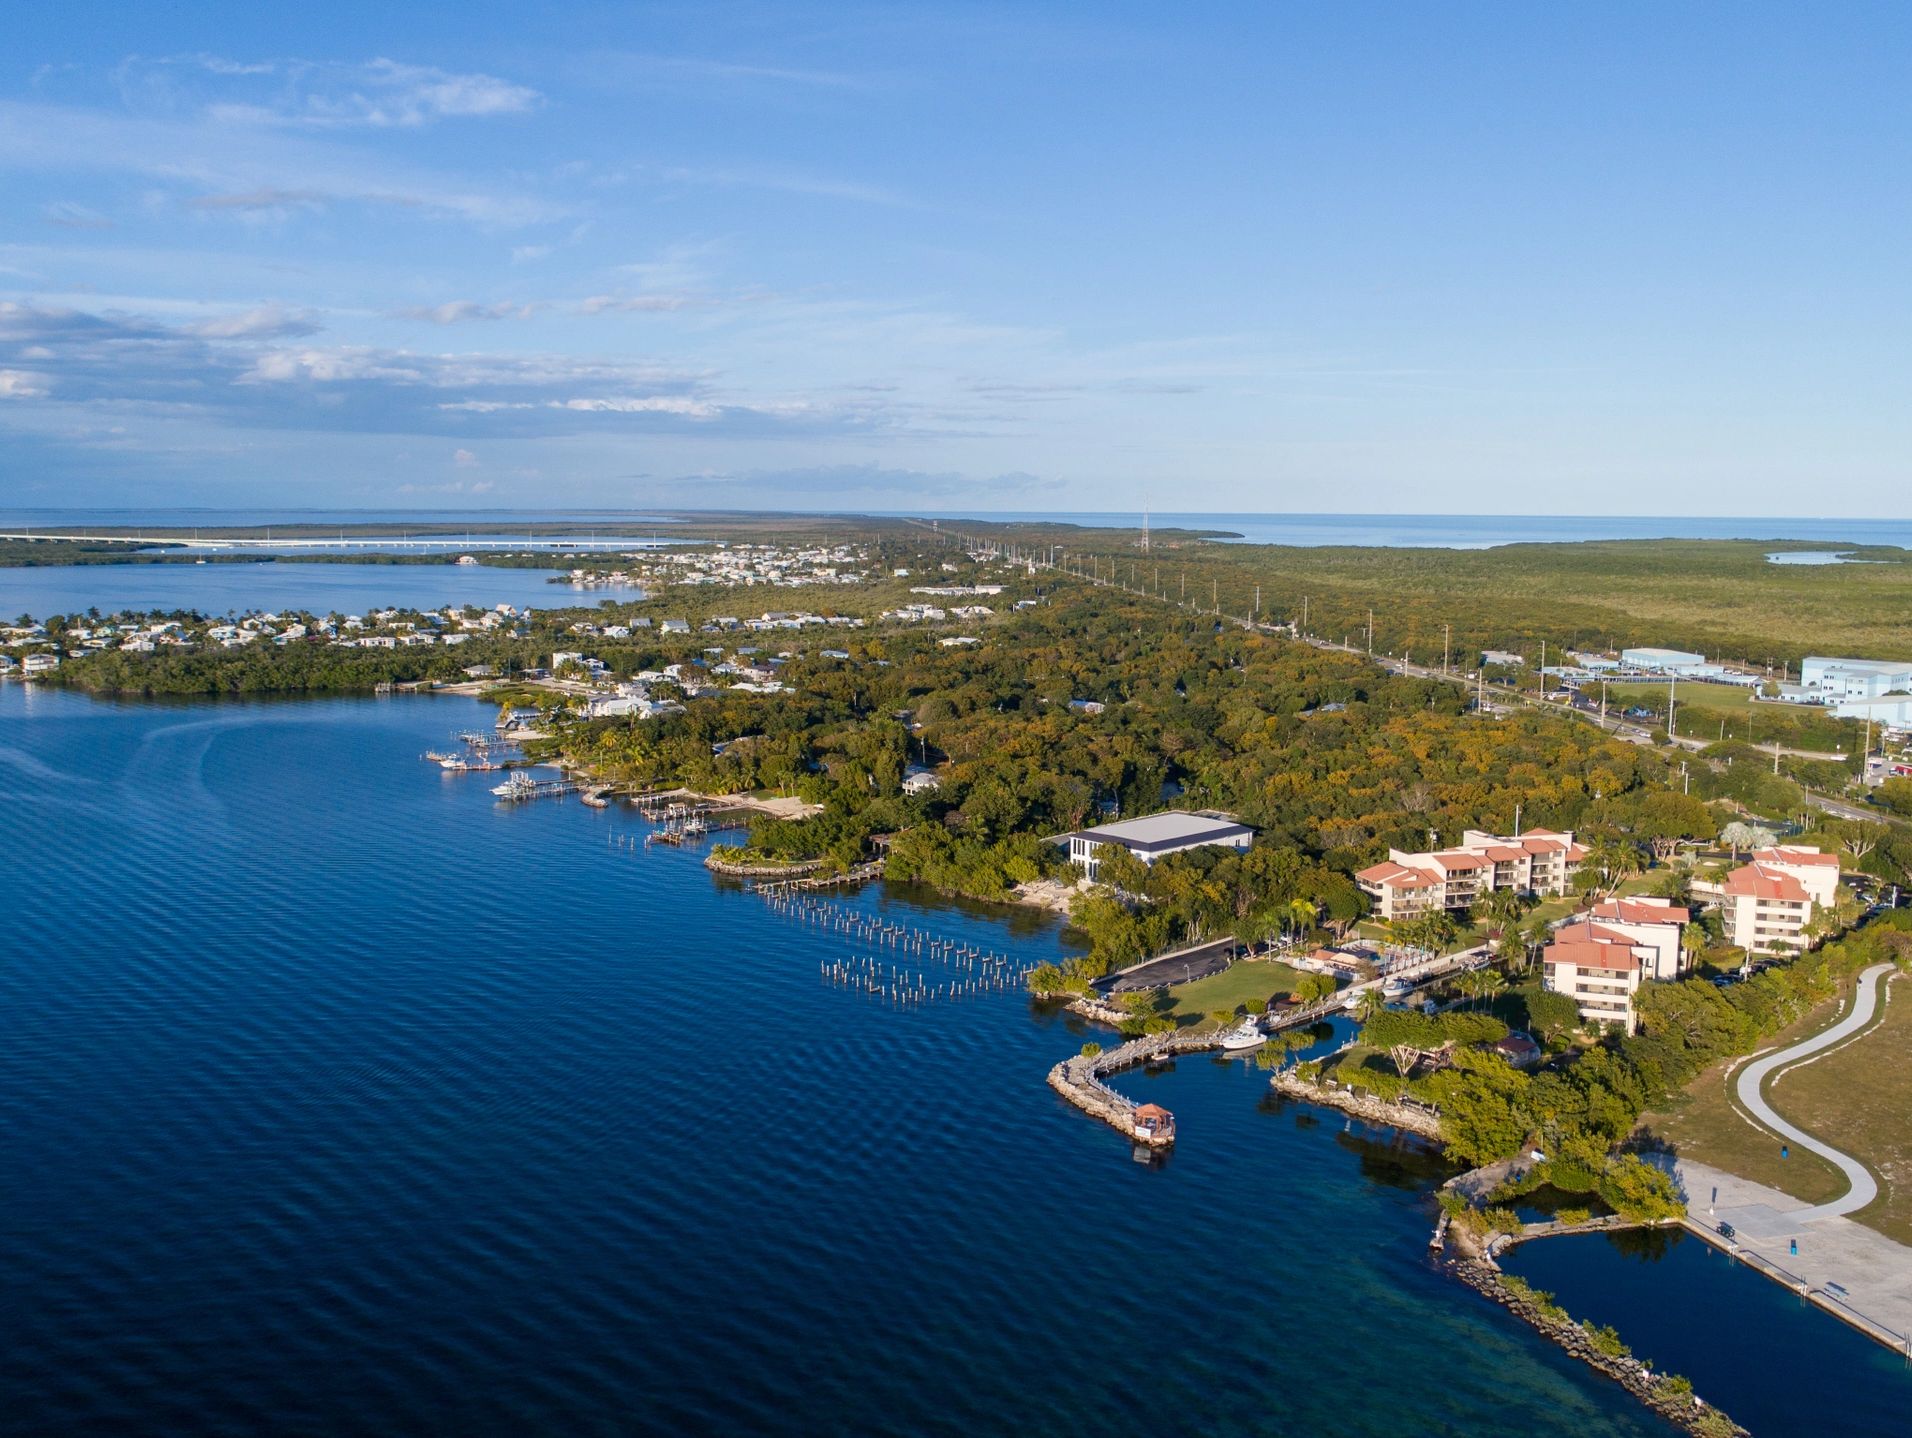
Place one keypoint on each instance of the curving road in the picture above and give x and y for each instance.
(1864, 1188)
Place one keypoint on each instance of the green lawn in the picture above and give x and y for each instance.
(1726, 697)
(1248, 981)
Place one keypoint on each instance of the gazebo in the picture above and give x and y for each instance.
(1154, 1124)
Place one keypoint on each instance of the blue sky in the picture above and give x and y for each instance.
(1506, 258)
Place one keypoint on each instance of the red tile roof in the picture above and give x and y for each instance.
(1618, 958)
(1764, 883)
(1640, 911)
(1795, 854)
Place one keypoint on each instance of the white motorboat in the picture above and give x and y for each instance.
(1245, 1035)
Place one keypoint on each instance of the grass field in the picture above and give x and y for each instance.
(1857, 1098)
(1728, 698)
(1721, 598)
(1251, 981)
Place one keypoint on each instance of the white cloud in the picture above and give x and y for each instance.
(647, 404)
(21, 384)
(464, 459)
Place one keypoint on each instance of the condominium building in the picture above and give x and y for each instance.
(1601, 959)
(1769, 902)
(1537, 862)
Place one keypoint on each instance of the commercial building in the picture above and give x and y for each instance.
(1537, 862)
(1152, 837)
(1837, 679)
(1766, 905)
(1602, 958)
(1661, 661)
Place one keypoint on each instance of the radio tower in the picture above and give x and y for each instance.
(1145, 531)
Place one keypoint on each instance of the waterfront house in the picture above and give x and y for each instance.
(1538, 862)
(918, 780)
(1155, 835)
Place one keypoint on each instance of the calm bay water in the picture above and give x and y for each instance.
(235, 588)
(1779, 1365)
(339, 1098)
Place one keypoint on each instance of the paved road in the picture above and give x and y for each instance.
(1864, 1188)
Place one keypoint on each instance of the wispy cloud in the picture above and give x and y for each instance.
(245, 170)
(377, 94)
(454, 312)
(266, 322)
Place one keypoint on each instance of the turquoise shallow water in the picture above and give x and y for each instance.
(338, 1098)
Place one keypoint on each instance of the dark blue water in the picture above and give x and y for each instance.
(337, 1098)
(1777, 1364)
(236, 588)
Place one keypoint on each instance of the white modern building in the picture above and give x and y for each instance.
(1537, 862)
(1152, 837)
(1840, 679)
(1662, 661)
(1767, 904)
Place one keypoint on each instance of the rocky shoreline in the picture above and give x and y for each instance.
(1362, 1106)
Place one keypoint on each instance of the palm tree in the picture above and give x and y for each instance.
(1492, 984)
(1369, 1004)
(1693, 938)
(1303, 913)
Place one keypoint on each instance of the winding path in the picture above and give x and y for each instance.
(1864, 1188)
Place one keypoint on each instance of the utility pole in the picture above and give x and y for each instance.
(1257, 614)
(1370, 634)
(1672, 691)
(1447, 645)
(1304, 616)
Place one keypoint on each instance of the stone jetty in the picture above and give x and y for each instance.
(1080, 1079)
(1675, 1403)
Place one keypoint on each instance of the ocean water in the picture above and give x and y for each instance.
(338, 1098)
(236, 588)
(1482, 531)
(1440, 531)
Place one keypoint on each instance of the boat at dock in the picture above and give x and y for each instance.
(522, 786)
(1245, 1035)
